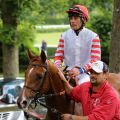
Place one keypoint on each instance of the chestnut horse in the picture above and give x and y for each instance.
(42, 79)
(114, 80)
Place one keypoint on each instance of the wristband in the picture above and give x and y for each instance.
(70, 118)
(82, 70)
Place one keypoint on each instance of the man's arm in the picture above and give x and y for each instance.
(68, 87)
(73, 117)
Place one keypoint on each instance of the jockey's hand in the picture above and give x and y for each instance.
(65, 116)
(74, 72)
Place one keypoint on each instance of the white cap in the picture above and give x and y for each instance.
(97, 66)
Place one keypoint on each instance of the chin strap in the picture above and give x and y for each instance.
(77, 31)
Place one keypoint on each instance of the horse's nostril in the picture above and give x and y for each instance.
(24, 103)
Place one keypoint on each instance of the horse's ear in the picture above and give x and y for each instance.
(29, 54)
(43, 56)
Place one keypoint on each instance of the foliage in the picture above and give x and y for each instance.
(53, 10)
(26, 34)
(23, 35)
(24, 10)
(102, 25)
(29, 11)
(23, 60)
(51, 52)
(7, 34)
(103, 5)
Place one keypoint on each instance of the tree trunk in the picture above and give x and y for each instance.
(114, 64)
(10, 50)
(10, 61)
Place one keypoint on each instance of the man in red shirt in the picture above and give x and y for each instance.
(99, 99)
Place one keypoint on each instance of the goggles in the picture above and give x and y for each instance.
(74, 10)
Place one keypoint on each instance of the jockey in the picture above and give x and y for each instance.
(78, 47)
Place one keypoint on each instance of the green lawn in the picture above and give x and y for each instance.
(50, 38)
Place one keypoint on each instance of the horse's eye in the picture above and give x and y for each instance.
(38, 77)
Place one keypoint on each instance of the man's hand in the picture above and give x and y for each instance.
(73, 117)
(66, 117)
(68, 87)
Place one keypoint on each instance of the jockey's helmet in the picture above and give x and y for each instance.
(79, 10)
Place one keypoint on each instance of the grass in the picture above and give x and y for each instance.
(50, 38)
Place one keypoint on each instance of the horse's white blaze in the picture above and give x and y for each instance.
(30, 71)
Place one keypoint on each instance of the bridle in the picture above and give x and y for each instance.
(38, 97)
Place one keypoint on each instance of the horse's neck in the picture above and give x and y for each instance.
(61, 104)
(61, 101)
(54, 78)
(114, 80)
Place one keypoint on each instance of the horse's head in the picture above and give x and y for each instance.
(35, 79)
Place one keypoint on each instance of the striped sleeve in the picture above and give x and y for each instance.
(95, 52)
(59, 53)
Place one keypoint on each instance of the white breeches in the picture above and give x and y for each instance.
(83, 78)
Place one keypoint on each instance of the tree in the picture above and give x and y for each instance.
(10, 50)
(115, 43)
(11, 15)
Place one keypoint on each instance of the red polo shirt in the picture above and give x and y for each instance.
(102, 105)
